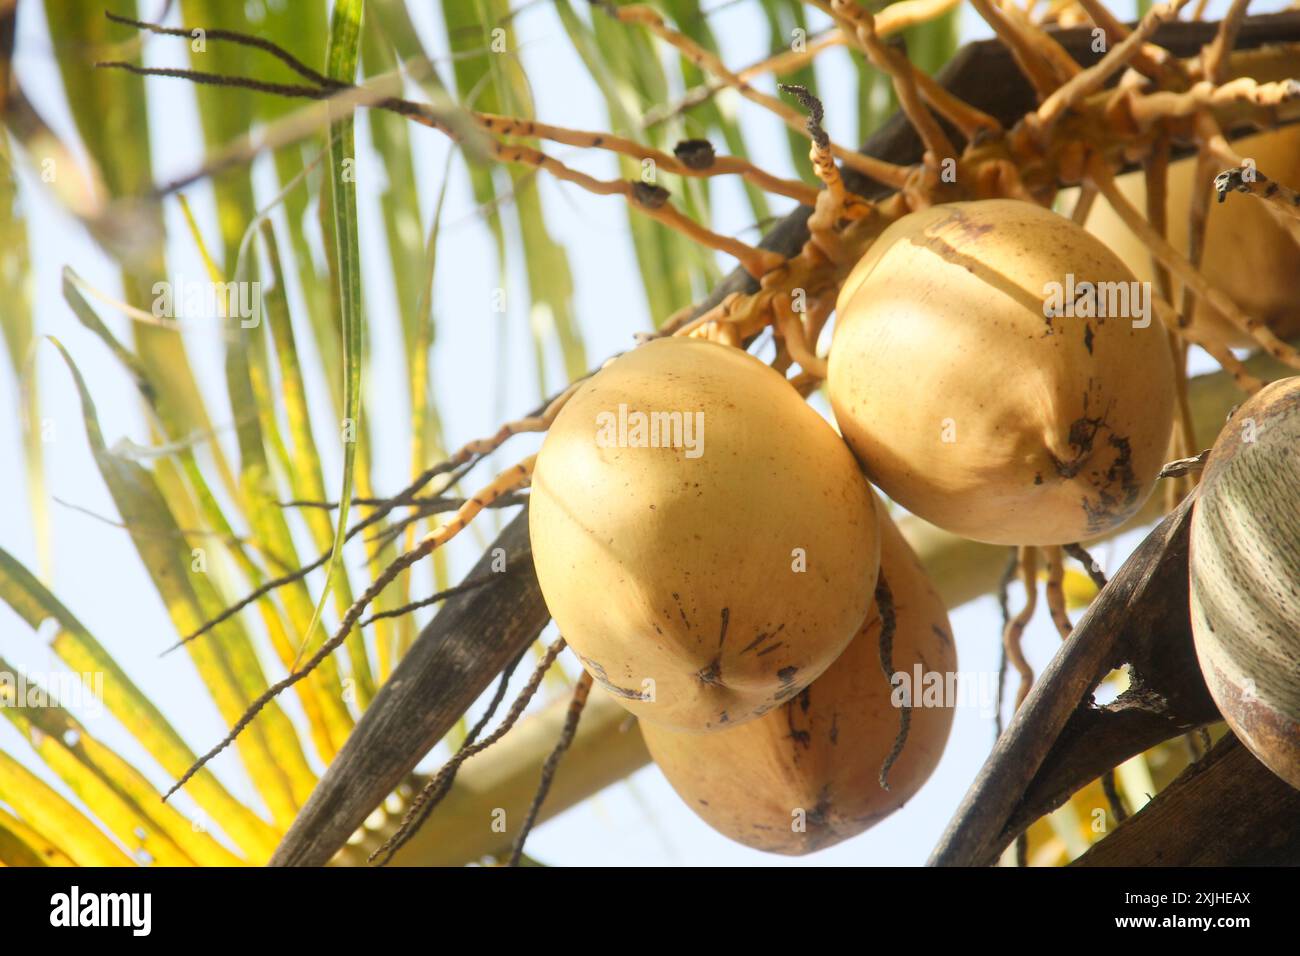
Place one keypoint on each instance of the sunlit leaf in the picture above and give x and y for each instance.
(20, 845)
(99, 779)
(77, 648)
(16, 330)
(224, 658)
(317, 693)
(40, 806)
(110, 110)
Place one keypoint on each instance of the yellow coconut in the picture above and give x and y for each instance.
(973, 407)
(1248, 253)
(1245, 576)
(704, 540)
(807, 775)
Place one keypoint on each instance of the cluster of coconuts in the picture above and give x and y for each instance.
(710, 547)
(710, 550)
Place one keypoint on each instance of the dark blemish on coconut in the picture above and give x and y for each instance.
(760, 638)
(711, 675)
(681, 610)
(800, 737)
(819, 815)
(1082, 435)
(1117, 489)
(957, 221)
(785, 693)
(597, 671)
